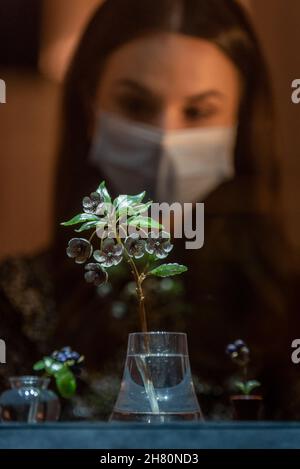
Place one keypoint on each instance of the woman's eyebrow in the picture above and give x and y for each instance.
(144, 90)
(135, 86)
(204, 95)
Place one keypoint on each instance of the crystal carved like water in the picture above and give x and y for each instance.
(157, 388)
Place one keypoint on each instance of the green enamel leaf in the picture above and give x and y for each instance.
(102, 190)
(48, 361)
(86, 226)
(52, 366)
(38, 366)
(247, 387)
(139, 209)
(251, 385)
(82, 217)
(241, 387)
(168, 270)
(134, 210)
(144, 222)
(129, 200)
(65, 382)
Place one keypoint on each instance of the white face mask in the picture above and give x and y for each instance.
(171, 166)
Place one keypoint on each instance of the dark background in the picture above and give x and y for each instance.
(20, 22)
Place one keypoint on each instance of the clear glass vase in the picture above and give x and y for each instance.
(29, 400)
(157, 384)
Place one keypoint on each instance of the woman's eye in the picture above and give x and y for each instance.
(194, 113)
(136, 107)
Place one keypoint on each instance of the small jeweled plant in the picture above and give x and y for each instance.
(239, 353)
(121, 232)
(64, 366)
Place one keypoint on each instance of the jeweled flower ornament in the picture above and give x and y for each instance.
(239, 354)
(121, 231)
(64, 366)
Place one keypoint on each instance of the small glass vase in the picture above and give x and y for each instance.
(157, 384)
(29, 401)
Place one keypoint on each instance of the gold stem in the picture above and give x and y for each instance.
(138, 280)
(92, 235)
(141, 297)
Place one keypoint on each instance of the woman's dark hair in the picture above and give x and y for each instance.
(224, 23)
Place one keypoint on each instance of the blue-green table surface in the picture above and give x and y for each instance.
(102, 435)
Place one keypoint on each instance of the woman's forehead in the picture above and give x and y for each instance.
(171, 64)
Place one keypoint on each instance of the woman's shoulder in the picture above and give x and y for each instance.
(26, 292)
(26, 310)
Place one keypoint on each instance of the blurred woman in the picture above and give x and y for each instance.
(171, 96)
